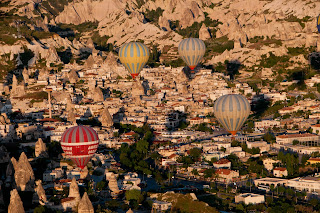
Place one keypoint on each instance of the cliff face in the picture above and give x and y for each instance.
(279, 23)
(85, 205)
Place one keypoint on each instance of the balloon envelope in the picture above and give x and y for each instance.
(80, 143)
(191, 50)
(231, 111)
(134, 55)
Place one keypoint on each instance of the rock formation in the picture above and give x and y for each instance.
(16, 205)
(85, 205)
(40, 194)
(113, 184)
(164, 23)
(72, 117)
(73, 76)
(97, 95)
(40, 149)
(105, 118)
(52, 56)
(25, 75)
(204, 33)
(74, 190)
(4, 119)
(130, 211)
(43, 74)
(137, 89)
(23, 173)
(18, 89)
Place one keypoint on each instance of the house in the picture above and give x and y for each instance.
(280, 172)
(313, 160)
(302, 138)
(222, 163)
(226, 175)
(196, 120)
(268, 163)
(308, 184)
(316, 128)
(262, 145)
(265, 124)
(249, 198)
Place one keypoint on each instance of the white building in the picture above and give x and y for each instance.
(49, 176)
(249, 198)
(268, 163)
(302, 138)
(265, 124)
(262, 145)
(280, 172)
(309, 184)
(73, 174)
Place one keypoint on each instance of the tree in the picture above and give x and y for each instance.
(134, 194)
(101, 185)
(195, 172)
(39, 209)
(195, 153)
(209, 173)
(295, 142)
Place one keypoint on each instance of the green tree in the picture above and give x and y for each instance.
(101, 185)
(195, 153)
(134, 194)
(295, 142)
(39, 209)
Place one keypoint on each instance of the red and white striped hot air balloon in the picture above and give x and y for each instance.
(79, 143)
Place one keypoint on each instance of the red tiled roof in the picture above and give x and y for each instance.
(195, 119)
(222, 161)
(280, 169)
(223, 171)
(297, 135)
(49, 120)
(314, 159)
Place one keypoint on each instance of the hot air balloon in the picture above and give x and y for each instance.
(231, 111)
(79, 143)
(191, 50)
(134, 55)
(318, 23)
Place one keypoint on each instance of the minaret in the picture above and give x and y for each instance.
(49, 90)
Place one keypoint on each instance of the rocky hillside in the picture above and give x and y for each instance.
(244, 30)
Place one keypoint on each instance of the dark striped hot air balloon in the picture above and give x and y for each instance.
(318, 23)
(80, 143)
(191, 50)
(134, 55)
(231, 111)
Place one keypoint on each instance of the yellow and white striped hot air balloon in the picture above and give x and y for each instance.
(191, 50)
(231, 111)
(134, 55)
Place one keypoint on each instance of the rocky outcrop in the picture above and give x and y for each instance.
(113, 184)
(137, 89)
(16, 205)
(85, 205)
(73, 76)
(105, 118)
(25, 75)
(23, 173)
(130, 211)
(40, 195)
(43, 74)
(18, 89)
(72, 117)
(41, 149)
(52, 56)
(97, 95)
(204, 33)
(74, 190)
(164, 23)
